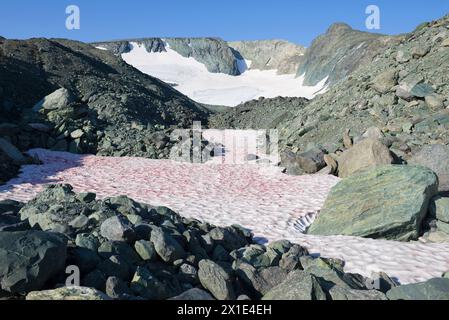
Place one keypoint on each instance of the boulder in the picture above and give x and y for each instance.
(299, 285)
(216, 280)
(364, 155)
(117, 288)
(434, 101)
(59, 99)
(260, 282)
(29, 259)
(385, 202)
(11, 151)
(385, 81)
(439, 208)
(117, 228)
(433, 289)
(145, 250)
(311, 161)
(166, 246)
(435, 157)
(68, 293)
(339, 293)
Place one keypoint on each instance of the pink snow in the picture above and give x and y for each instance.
(267, 202)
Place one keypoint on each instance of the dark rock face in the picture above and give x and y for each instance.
(338, 53)
(281, 55)
(29, 259)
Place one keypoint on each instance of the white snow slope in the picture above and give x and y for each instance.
(194, 80)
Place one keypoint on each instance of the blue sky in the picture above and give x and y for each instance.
(295, 20)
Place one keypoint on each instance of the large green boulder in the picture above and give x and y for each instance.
(388, 202)
(434, 289)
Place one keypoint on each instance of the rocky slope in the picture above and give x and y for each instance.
(401, 96)
(214, 53)
(281, 55)
(339, 52)
(66, 95)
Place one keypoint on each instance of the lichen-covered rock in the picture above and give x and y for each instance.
(299, 285)
(385, 202)
(433, 289)
(68, 293)
(216, 280)
(166, 246)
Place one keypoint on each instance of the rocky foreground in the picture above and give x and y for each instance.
(129, 250)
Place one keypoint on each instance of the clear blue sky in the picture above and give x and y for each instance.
(295, 20)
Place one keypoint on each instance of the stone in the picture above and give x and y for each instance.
(443, 227)
(11, 151)
(330, 272)
(364, 155)
(230, 238)
(29, 259)
(347, 139)
(311, 161)
(420, 51)
(193, 294)
(146, 285)
(115, 266)
(145, 250)
(77, 134)
(59, 99)
(435, 157)
(299, 285)
(117, 228)
(434, 101)
(216, 280)
(433, 289)
(403, 56)
(117, 288)
(338, 293)
(385, 81)
(166, 246)
(117, 248)
(385, 202)
(88, 241)
(445, 43)
(331, 163)
(85, 259)
(439, 208)
(188, 273)
(259, 282)
(422, 90)
(373, 133)
(68, 293)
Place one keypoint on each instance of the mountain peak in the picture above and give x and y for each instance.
(339, 27)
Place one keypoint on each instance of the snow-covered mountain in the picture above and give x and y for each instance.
(211, 71)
